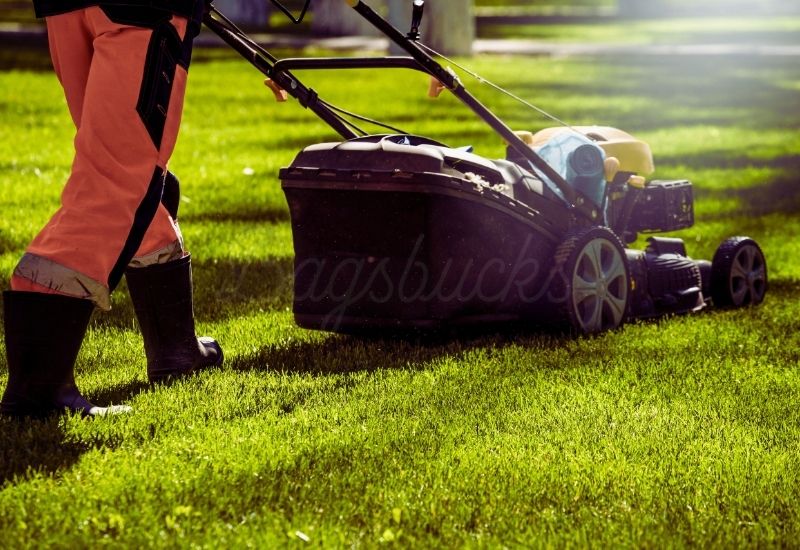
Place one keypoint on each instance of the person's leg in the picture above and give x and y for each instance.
(126, 131)
(43, 334)
(70, 41)
(127, 125)
(162, 298)
(44, 330)
(159, 276)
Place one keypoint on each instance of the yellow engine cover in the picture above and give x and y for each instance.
(633, 155)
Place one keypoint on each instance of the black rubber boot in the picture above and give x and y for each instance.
(43, 336)
(162, 299)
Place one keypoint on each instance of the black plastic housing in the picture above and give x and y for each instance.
(663, 206)
(398, 232)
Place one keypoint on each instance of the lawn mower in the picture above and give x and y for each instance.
(395, 231)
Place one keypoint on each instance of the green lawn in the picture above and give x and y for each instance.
(679, 432)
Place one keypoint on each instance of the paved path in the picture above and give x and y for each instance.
(11, 35)
(532, 47)
(528, 47)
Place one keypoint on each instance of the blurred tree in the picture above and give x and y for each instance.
(637, 8)
(337, 18)
(448, 25)
(250, 14)
(684, 8)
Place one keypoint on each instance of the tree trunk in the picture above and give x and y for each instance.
(249, 14)
(337, 18)
(400, 18)
(448, 25)
(451, 26)
(637, 8)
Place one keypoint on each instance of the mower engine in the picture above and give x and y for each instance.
(664, 279)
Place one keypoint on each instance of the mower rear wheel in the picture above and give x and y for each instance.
(738, 273)
(591, 286)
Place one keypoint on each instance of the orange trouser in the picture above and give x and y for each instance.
(124, 86)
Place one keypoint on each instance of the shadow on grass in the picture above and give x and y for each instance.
(740, 36)
(119, 394)
(779, 196)
(344, 354)
(30, 446)
(682, 90)
(228, 288)
(732, 160)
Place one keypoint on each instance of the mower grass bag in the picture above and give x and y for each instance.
(402, 232)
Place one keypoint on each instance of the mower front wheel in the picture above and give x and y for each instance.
(738, 273)
(590, 288)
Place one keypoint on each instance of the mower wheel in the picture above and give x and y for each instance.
(590, 288)
(738, 273)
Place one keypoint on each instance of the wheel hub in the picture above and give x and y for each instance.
(599, 298)
(738, 273)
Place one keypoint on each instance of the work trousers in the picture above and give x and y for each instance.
(124, 83)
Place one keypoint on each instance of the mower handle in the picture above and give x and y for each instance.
(420, 60)
(450, 81)
(306, 63)
(265, 62)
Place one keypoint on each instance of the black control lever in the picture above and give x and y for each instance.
(296, 20)
(416, 19)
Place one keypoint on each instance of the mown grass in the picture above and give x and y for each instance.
(679, 432)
